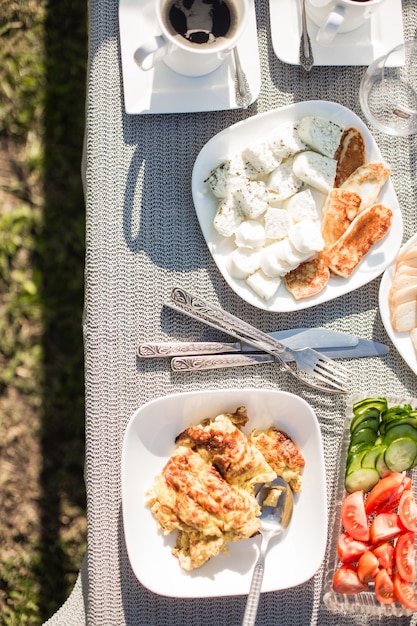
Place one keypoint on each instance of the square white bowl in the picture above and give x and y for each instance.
(148, 443)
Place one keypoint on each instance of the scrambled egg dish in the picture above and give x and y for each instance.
(206, 491)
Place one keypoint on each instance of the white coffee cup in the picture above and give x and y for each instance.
(179, 50)
(339, 16)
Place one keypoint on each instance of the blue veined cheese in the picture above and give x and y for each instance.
(315, 169)
(271, 262)
(250, 234)
(306, 237)
(302, 206)
(252, 199)
(264, 286)
(244, 261)
(277, 223)
(261, 157)
(283, 181)
(228, 217)
(285, 141)
(229, 176)
(320, 134)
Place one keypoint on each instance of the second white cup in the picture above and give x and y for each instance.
(339, 16)
(195, 35)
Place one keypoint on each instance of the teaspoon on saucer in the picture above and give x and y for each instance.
(306, 52)
(243, 95)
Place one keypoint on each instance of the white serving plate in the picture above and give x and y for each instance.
(148, 443)
(233, 140)
(382, 32)
(161, 90)
(402, 341)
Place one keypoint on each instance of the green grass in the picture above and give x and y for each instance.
(43, 49)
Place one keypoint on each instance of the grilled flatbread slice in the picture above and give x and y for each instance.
(339, 210)
(349, 155)
(308, 279)
(367, 181)
(365, 231)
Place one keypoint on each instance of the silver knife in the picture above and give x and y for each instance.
(293, 338)
(219, 361)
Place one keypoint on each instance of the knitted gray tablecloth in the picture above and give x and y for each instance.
(143, 238)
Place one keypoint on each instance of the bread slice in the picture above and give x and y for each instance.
(350, 154)
(363, 233)
(367, 181)
(308, 279)
(339, 210)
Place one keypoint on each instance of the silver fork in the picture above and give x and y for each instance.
(312, 366)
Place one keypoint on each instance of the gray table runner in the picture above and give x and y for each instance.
(143, 238)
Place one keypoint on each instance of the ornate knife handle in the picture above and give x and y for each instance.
(202, 310)
(152, 350)
(219, 361)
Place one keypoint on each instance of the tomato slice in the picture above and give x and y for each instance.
(405, 557)
(368, 566)
(385, 496)
(385, 555)
(405, 593)
(407, 510)
(349, 549)
(346, 580)
(354, 518)
(384, 587)
(385, 526)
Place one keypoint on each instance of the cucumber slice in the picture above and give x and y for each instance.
(396, 411)
(399, 431)
(357, 448)
(370, 403)
(370, 457)
(412, 421)
(380, 465)
(364, 421)
(363, 434)
(361, 479)
(400, 454)
(355, 461)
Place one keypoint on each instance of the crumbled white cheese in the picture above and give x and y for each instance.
(315, 169)
(284, 181)
(306, 237)
(320, 134)
(277, 223)
(302, 206)
(250, 234)
(265, 286)
(228, 217)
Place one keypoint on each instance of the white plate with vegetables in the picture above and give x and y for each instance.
(402, 341)
(372, 562)
(237, 138)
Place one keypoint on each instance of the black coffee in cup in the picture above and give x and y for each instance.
(201, 23)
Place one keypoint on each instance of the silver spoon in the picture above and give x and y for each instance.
(276, 502)
(306, 52)
(243, 95)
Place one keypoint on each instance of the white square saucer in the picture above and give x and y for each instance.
(161, 90)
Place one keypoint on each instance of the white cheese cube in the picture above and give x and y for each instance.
(320, 134)
(250, 234)
(284, 181)
(277, 223)
(229, 176)
(264, 286)
(302, 206)
(270, 261)
(261, 157)
(228, 217)
(285, 141)
(244, 261)
(306, 237)
(315, 169)
(252, 199)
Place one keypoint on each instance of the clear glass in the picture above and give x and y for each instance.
(388, 91)
(365, 602)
